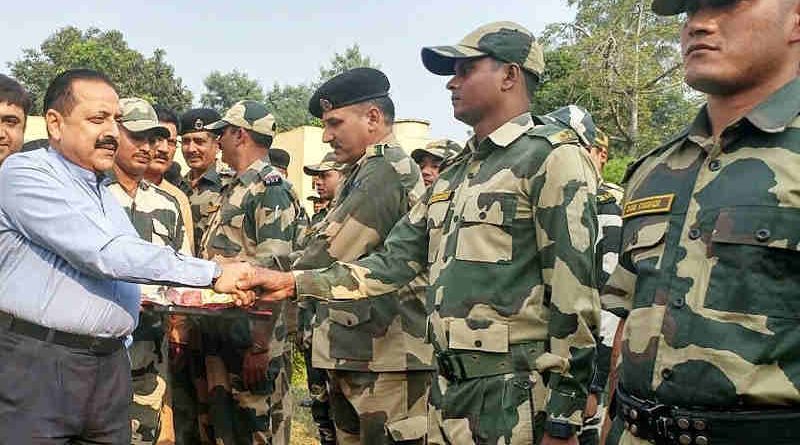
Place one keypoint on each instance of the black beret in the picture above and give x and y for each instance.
(279, 157)
(351, 87)
(195, 119)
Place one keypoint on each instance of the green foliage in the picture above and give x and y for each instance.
(224, 90)
(150, 78)
(614, 169)
(289, 104)
(622, 63)
(299, 377)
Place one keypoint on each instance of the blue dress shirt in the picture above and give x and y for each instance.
(68, 253)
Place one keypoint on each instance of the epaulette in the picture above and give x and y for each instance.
(605, 198)
(272, 178)
(555, 134)
(635, 164)
(453, 159)
(374, 151)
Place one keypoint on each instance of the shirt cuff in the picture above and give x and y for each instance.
(567, 400)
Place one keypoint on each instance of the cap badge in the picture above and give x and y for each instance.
(325, 104)
(198, 124)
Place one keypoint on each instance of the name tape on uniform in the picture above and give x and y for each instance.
(649, 205)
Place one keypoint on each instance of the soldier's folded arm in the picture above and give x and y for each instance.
(565, 232)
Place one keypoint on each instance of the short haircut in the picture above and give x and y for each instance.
(386, 105)
(59, 94)
(168, 115)
(262, 140)
(12, 93)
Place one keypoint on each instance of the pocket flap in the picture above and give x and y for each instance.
(758, 226)
(490, 208)
(349, 313)
(410, 428)
(647, 235)
(491, 338)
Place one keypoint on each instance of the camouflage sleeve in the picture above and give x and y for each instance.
(566, 229)
(275, 225)
(617, 294)
(359, 224)
(404, 255)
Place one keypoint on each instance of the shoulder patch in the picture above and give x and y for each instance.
(605, 198)
(273, 178)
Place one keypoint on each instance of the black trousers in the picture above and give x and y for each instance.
(51, 394)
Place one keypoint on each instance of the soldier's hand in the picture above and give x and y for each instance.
(591, 406)
(274, 285)
(254, 369)
(548, 440)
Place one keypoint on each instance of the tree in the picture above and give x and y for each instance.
(150, 78)
(224, 90)
(623, 64)
(351, 58)
(289, 104)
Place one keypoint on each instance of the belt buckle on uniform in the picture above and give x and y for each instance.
(658, 416)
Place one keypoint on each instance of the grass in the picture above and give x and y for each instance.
(304, 432)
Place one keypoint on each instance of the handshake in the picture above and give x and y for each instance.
(250, 285)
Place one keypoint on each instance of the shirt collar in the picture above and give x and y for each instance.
(505, 135)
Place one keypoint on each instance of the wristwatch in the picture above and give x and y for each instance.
(217, 274)
(559, 429)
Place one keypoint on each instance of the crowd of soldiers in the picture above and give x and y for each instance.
(502, 292)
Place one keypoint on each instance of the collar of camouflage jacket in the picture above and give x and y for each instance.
(259, 170)
(504, 135)
(772, 115)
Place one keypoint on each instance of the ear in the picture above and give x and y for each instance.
(54, 121)
(374, 117)
(512, 76)
(794, 37)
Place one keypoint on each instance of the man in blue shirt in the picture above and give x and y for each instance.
(69, 259)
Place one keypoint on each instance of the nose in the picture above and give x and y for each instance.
(701, 22)
(327, 136)
(452, 84)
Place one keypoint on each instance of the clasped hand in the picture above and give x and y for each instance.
(249, 284)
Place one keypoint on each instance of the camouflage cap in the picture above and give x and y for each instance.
(328, 163)
(601, 140)
(442, 149)
(351, 87)
(197, 118)
(314, 198)
(139, 116)
(247, 114)
(575, 118)
(504, 41)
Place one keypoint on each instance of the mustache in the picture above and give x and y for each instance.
(104, 142)
(162, 156)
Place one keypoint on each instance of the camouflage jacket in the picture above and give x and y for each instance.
(386, 333)
(155, 215)
(256, 222)
(184, 207)
(709, 275)
(507, 233)
(204, 198)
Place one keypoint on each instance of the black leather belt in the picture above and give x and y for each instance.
(671, 425)
(94, 345)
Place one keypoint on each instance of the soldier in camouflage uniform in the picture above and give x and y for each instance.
(609, 223)
(709, 266)
(327, 177)
(430, 158)
(379, 365)
(507, 233)
(206, 177)
(248, 358)
(156, 216)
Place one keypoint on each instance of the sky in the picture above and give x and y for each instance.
(287, 42)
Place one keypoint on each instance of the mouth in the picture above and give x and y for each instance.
(699, 47)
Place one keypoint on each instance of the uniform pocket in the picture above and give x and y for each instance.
(757, 267)
(484, 234)
(408, 430)
(486, 336)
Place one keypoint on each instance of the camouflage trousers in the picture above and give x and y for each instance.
(148, 357)
(378, 408)
(487, 410)
(237, 415)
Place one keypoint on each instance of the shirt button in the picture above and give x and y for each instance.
(678, 303)
(694, 233)
(482, 215)
(666, 374)
(437, 306)
(763, 235)
(470, 175)
(714, 165)
(478, 343)
(455, 218)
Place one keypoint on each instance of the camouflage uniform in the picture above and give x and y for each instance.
(204, 197)
(609, 225)
(708, 280)
(379, 363)
(155, 215)
(256, 222)
(507, 233)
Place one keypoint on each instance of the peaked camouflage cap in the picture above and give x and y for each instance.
(575, 118)
(442, 149)
(505, 41)
(601, 140)
(139, 116)
(328, 163)
(247, 114)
